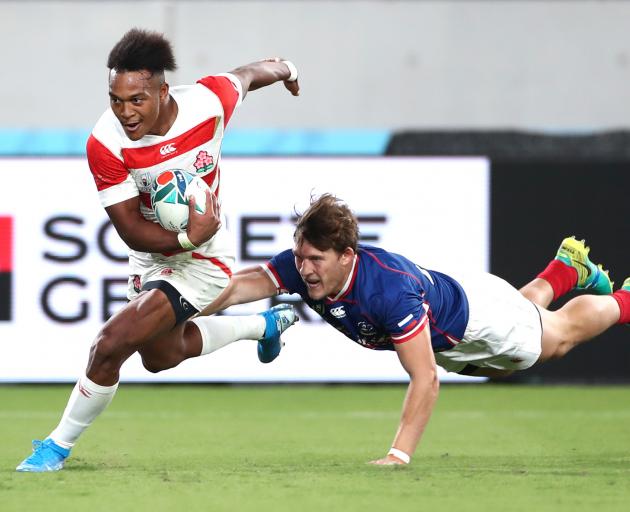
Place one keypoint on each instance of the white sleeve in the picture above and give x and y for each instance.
(119, 192)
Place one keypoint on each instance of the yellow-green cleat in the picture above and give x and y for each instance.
(592, 277)
(626, 284)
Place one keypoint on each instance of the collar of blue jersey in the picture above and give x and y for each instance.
(348, 284)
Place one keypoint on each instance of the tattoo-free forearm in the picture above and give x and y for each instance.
(261, 74)
(417, 408)
(248, 285)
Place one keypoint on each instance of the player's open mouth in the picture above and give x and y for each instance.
(132, 127)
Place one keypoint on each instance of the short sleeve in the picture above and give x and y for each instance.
(282, 272)
(228, 89)
(112, 178)
(405, 316)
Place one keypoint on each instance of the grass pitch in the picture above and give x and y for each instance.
(304, 448)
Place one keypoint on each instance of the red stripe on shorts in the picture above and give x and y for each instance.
(216, 261)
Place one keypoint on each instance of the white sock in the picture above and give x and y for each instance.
(219, 331)
(86, 402)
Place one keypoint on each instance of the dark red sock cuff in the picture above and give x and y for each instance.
(623, 299)
(560, 276)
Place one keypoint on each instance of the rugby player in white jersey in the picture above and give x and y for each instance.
(150, 128)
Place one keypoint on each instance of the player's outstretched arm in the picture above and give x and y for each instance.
(266, 72)
(416, 356)
(247, 285)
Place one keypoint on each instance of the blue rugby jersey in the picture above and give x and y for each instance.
(386, 300)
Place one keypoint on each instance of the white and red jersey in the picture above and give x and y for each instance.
(123, 168)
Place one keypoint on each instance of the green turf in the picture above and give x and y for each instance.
(301, 448)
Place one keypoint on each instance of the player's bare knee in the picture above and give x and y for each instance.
(563, 348)
(113, 343)
(560, 349)
(154, 366)
(105, 359)
(435, 385)
(105, 346)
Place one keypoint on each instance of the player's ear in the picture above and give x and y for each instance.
(347, 256)
(163, 91)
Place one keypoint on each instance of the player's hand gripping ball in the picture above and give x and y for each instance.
(169, 198)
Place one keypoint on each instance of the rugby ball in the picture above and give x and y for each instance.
(169, 197)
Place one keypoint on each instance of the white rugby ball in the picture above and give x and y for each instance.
(169, 197)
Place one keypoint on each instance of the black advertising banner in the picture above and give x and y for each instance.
(534, 206)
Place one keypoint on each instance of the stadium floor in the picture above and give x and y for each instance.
(304, 448)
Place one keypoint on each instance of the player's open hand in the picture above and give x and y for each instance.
(203, 226)
(388, 460)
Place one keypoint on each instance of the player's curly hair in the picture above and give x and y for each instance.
(328, 223)
(142, 49)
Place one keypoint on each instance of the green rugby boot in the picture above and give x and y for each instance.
(591, 277)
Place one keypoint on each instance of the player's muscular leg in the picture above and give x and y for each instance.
(538, 291)
(148, 316)
(577, 321)
(170, 349)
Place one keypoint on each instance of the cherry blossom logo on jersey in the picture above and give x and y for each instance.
(204, 162)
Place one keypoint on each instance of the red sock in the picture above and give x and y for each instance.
(623, 299)
(560, 276)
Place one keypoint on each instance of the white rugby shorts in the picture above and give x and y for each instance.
(198, 277)
(504, 328)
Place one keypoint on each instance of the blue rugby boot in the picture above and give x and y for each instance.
(277, 319)
(46, 456)
(591, 277)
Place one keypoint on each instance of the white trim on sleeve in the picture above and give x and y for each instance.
(237, 85)
(401, 338)
(269, 273)
(119, 192)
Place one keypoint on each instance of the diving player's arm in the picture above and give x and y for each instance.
(260, 74)
(247, 285)
(416, 356)
(142, 235)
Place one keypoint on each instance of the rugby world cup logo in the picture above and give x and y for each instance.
(6, 266)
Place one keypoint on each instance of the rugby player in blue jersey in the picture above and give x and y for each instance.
(469, 324)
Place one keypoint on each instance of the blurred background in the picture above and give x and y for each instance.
(502, 125)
